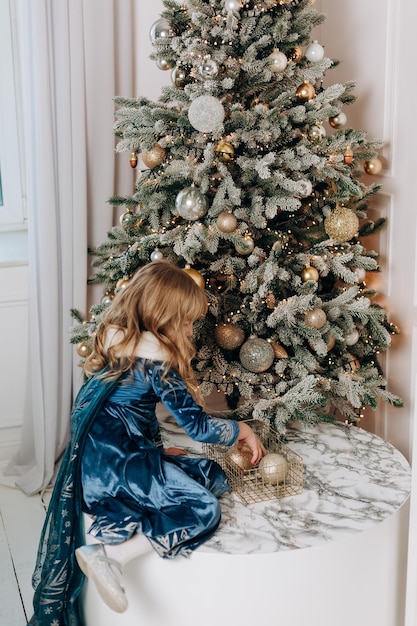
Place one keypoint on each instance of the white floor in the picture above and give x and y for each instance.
(21, 519)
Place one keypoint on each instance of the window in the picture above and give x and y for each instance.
(12, 205)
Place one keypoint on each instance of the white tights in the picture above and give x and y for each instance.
(128, 550)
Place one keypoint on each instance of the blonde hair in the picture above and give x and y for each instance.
(160, 298)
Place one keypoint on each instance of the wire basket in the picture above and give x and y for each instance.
(254, 484)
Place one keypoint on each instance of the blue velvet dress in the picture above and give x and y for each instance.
(115, 469)
(130, 485)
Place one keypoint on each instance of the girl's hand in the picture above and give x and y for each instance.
(246, 435)
(175, 451)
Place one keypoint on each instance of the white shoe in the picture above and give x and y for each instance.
(105, 573)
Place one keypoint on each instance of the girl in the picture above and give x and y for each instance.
(139, 495)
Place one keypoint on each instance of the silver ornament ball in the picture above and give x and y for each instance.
(156, 255)
(232, 5)
(191, 204)
(208, 68)
(273, 468)
(161, 29)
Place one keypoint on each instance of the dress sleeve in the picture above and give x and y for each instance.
(198, 425)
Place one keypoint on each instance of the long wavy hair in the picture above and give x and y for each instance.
(160, 298)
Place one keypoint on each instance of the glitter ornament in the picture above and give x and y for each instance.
(256, 355)
(309, 273)
(232, 5)
(225, 151)
(208, 68)
(179, 77)
(316, 318)
(277, 61)
(352, 337)
(156, 255)
(83, 349)
(226, 222)
(240, 457)
(196, 276)
(372, 167)
(133, 160)
(314, 52)
(338, 121)
(342, 224)
(245, 246)
(206, 114)
(191, 204)
(273, 468)
(153, 157)
(161, 29)
(229, 336)
(305, 91)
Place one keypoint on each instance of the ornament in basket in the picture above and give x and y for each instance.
(279, 474)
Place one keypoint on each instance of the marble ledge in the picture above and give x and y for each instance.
(353, 480)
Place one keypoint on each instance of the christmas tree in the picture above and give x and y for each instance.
(253, 183)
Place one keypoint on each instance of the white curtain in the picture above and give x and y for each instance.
(78, 56)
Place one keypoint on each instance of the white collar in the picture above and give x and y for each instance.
(149, 347)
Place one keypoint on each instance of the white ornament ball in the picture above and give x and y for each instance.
(206, 113)
(314, 52)
(305, 187)
(157, 255)
(191, 204)
(360, 273)
(256, 355)
(277, 61)
(273, 468)
(232, 5)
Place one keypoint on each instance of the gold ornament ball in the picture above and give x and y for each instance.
(196, 276)
(226, 222)
(305, 91)
(273, 468)
(154, 156)
(122, 283)
(352, 337)
(330, 341)
(342, 224)
(295, 54)
(373, 167)
(229, 336)
(279, 351)
(179, 77)
(83, 349)
(309, 273)
(338, 121)
(245, 246)
(316, 318)
(225, 151)
(240, 457)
